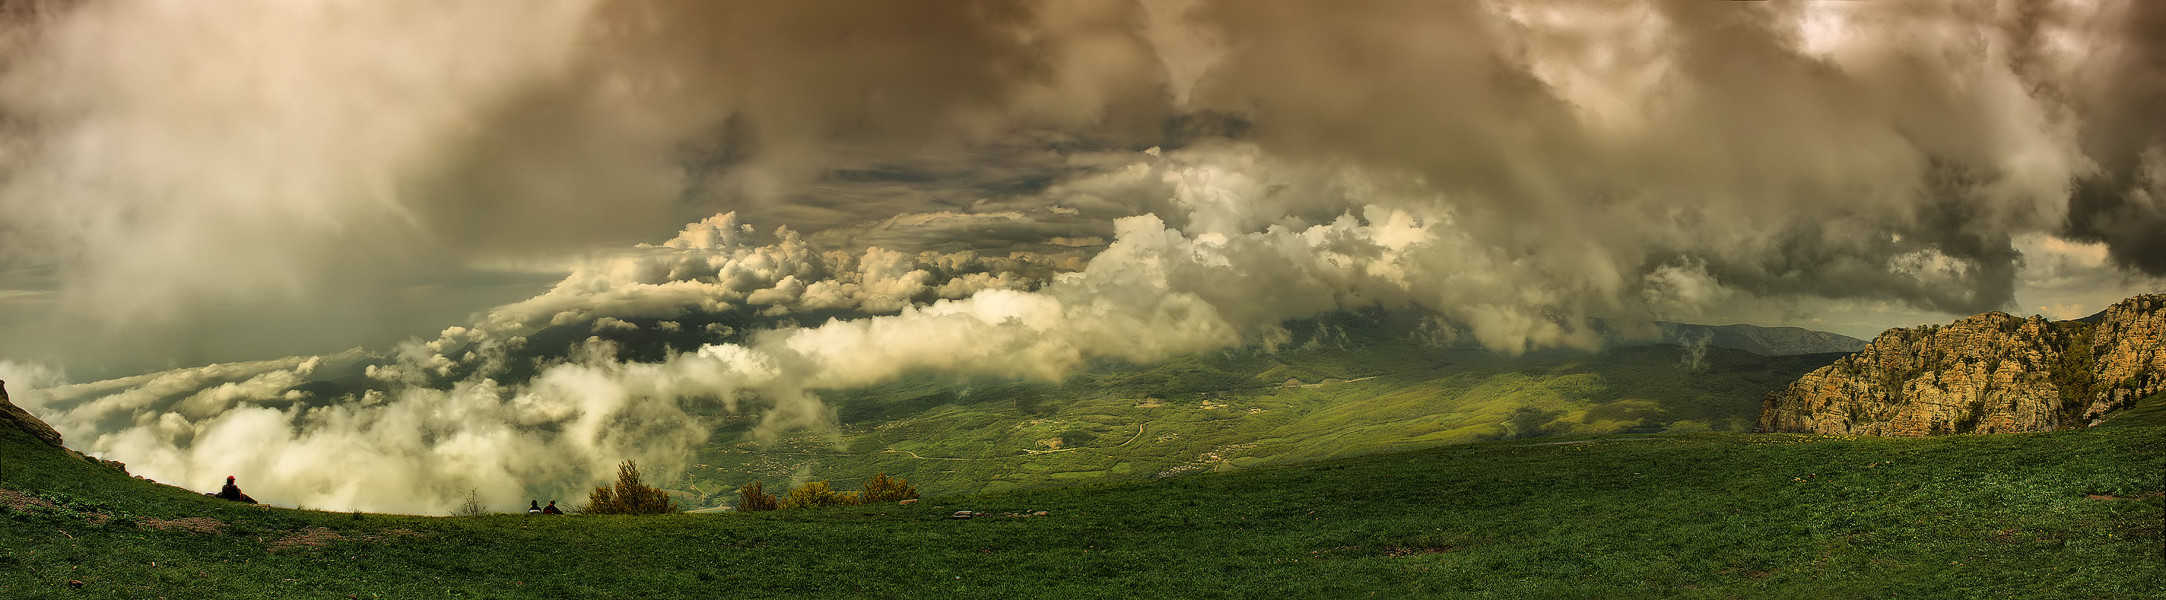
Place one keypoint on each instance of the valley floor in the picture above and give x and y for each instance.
(2060, 515)
(1235, 410)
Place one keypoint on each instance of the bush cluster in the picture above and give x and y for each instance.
(629, 497)
(816, 495)
(880, 488)
(755, 497)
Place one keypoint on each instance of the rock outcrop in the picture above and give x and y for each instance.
(1990, 373)
(22, 419)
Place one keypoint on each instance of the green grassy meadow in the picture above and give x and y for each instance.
(2074, 514)
(1239, 409)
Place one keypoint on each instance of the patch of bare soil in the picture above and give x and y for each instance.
(309, 537)
(2160, 494)
(19, 501)
(316, 537)
(195, 524)
(1397, 551)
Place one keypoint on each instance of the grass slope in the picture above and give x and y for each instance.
(2059, 515)
(2148, 412)
(1240, 409)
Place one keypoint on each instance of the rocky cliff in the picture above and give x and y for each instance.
(1989, 373)
(21, 419)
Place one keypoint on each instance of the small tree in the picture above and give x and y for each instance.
(755, 497)
(471, 508)
(883, 489)
(817, 494)
(630, 496)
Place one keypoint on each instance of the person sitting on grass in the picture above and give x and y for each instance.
(552, 509)
(533, 507)
(233, 492)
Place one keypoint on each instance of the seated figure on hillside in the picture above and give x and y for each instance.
(533, 507)
(552, 509)
(233, 492)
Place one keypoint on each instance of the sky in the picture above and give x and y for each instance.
(205, 205)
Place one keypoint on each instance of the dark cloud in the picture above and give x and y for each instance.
(169, 158)
(2121, 86)
(1821, 149)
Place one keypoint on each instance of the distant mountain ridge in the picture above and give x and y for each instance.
(1334, 329)
(1989, 373)
(1764, 341)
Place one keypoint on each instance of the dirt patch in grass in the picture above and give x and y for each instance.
(195, 524)
(1398, 551)
(316, 537)
(2142, 496)
(19, 501)
(308, 537)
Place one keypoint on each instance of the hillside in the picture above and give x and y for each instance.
(2149, 412)
(1764, 341)
(1373, 392)
(1988, 373)
(2060, 515)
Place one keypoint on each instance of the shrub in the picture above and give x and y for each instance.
(883, 489)
(815, 495)
(629, 497)
(754, 497)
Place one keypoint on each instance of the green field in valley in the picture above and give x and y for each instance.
(1240, 409)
